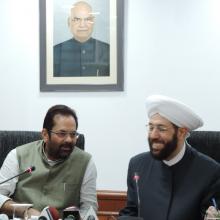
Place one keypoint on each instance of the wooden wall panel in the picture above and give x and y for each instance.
(110, 202)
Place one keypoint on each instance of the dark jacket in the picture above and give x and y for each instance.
(180, 192)
(72, 58)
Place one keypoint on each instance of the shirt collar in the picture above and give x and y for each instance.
(177, 158)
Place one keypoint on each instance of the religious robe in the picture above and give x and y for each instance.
(179, 192)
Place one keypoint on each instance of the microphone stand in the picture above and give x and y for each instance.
(138, 197)
(135, 178)
(29, 170)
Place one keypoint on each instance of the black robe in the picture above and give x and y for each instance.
(179, 192)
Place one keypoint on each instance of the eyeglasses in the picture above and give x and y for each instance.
(86, 20)
(64, 134)
(160, 128)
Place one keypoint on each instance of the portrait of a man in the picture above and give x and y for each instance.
(82, 55)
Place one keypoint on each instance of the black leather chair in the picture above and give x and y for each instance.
(11, 139)
(207, 142)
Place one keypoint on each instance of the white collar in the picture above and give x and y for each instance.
(50, 162)
(177, 158)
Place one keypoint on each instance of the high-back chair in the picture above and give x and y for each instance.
(207, 142)
(11, 139)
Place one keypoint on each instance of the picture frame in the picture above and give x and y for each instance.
(52, 26)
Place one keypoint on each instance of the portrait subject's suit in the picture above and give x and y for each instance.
(72, 58)
(179, 192)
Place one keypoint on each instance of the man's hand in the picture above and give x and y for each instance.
(32, 212)
(211, 212)
(8, 209)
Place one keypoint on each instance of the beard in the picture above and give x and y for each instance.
(167, 150)
(65, 150)
(61, 151)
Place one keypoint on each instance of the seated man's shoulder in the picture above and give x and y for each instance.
(28, 145)
(205, 160)
(141, 157)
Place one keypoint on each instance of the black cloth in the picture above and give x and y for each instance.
(72, 58)
(179, 192)
(11, 139)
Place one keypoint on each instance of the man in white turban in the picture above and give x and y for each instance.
(176, 182)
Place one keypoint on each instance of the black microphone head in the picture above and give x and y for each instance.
(42, 218)
(71, 213)
(30, 169)
(33, 168)
(70, 217)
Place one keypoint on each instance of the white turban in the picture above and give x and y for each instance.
(174, 111)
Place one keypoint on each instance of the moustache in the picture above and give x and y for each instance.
(156, 141)
(67, 145)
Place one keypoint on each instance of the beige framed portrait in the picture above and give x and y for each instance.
(81, 45)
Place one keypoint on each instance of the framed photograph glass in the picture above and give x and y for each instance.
(81, 45)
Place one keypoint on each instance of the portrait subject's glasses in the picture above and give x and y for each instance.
(64, 134)
(159, 128)
(78, 20)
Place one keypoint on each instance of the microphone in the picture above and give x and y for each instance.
(49, 213)
(90, 214)
(136, 179)
(28, 170)
(71, 213)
